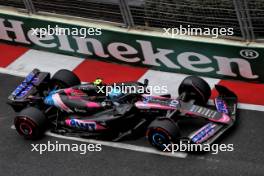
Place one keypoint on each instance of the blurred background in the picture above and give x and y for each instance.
(246, 17)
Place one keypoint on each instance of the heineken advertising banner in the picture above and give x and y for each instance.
(171, 55)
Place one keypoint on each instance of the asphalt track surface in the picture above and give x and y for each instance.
(16, 157)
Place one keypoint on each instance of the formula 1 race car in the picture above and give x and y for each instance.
(67, 107)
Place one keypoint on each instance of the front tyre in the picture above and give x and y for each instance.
(31, 123)
(195, 88)
(162, 132)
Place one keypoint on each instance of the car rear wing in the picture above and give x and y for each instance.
(29, 86)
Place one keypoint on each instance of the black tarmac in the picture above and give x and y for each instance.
(16, 157)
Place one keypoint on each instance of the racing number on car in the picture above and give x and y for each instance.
(174, 103)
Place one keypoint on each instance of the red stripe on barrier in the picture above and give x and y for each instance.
(250, 93)
(10, 53)
(89, 70)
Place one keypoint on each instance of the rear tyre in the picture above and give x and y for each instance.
(162, 132)
(31, 123)
(65, 78)
(195, 88)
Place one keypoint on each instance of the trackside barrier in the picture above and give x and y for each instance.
(139, 49)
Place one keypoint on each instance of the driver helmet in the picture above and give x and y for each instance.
(114, 94)
(98, 82)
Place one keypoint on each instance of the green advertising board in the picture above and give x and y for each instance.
(153, 52)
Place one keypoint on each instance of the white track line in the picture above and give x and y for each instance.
(43, 60)
(118, 145)
(121, 146)
(13, 72)
(250, 107)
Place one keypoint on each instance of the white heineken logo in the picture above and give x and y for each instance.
(146, 54)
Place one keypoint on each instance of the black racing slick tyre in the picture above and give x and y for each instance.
(31, 123)
(162, 132)
(195, 88)
(65, 78)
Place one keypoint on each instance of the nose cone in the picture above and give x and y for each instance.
(49, 100)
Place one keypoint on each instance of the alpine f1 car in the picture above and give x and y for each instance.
(64, 105)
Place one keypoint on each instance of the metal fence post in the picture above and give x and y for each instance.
(29, 6)
(249, 21)
(244, 19)
(126, 13)
(240, 19)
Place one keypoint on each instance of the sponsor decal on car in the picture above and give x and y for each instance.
(81, 124)
(25, 86)
(204, 133)
(221, 106)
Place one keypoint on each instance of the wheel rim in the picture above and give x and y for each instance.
(26, 129)
(25, 126)
(158, 138)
